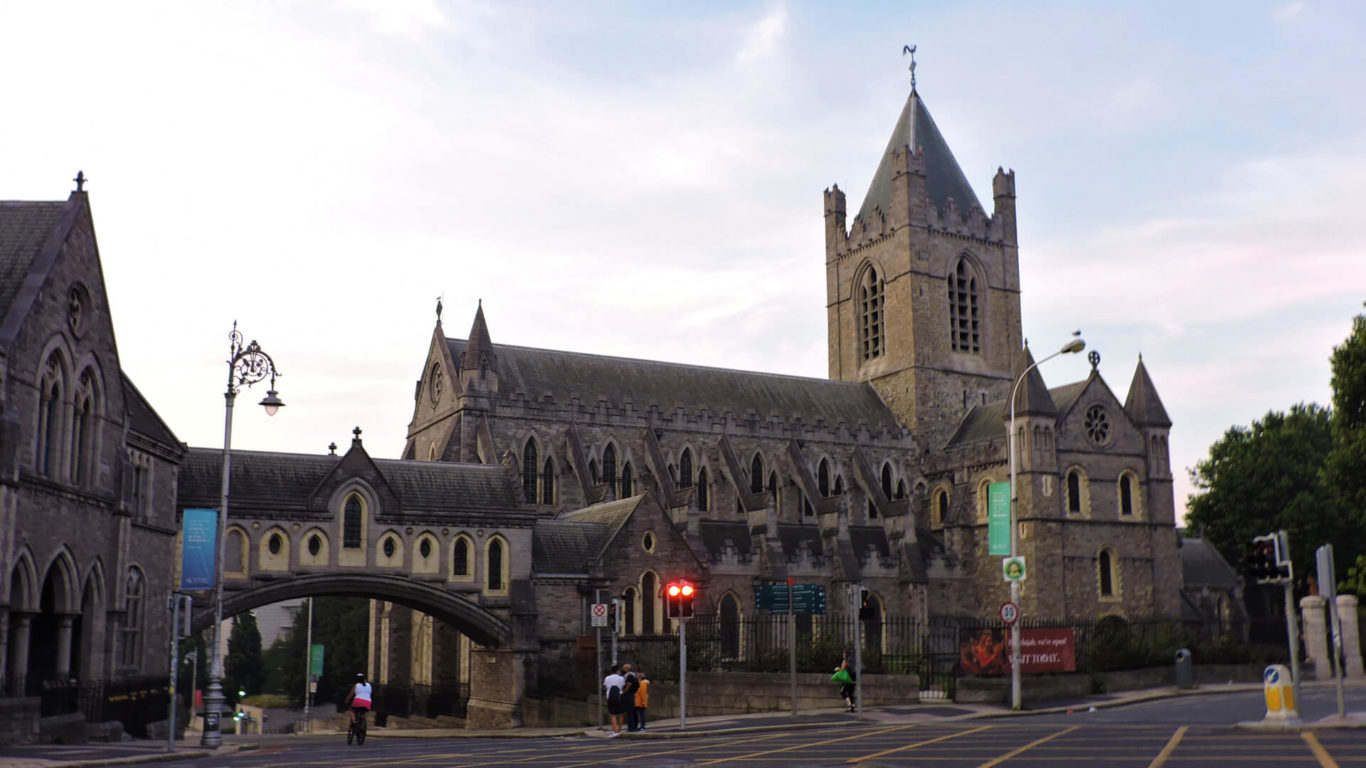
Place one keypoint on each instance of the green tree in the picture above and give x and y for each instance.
(1267, 477)
(1346, 469)
(341, 625)
(243, 669)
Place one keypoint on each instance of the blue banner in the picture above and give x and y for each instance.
(198, 548)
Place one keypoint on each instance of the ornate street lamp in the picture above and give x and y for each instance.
(1075, 345)
(246, 366)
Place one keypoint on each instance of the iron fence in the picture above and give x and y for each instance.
(419, 700)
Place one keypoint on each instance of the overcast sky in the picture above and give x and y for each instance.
(644, 179)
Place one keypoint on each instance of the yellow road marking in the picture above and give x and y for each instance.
(1027, 747)
(1326, 760)
(807, 745)
(919, 744)
(1167, 751)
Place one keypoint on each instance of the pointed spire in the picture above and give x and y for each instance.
(944, 179)
(1143, 405)
(1032, 396)
(479, 346)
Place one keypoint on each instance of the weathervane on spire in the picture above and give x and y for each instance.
(905, 49)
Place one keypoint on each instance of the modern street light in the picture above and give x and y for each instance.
(1075, 345)
(246, 366)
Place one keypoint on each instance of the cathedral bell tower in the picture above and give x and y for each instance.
(923, 288)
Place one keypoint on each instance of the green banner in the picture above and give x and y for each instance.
(998, 519)
(315, 660)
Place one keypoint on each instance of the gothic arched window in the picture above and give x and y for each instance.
(1074, 492)
(730, 627)
(548, 482)
(823, 479)
(83, 430)
(964, 318)
(609, 465)
(685, 469)
(839, 485)
(460, 557)
(1126, 495)
(132, 619)
(887, 480)
(756, 474)
(870, 314)
(529, 467)
(494, 577)
(703, 503)
(351, 522)
(627, 481)
(50, 418)
(1106, 575)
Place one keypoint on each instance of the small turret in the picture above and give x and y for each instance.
(1003, 192)
(1143, 405)
(479, 363)
(835, 232)
(1032, 396)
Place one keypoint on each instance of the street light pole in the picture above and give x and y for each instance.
(1075, 345)
(246, 366)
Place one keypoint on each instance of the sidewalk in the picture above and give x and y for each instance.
(79, 756)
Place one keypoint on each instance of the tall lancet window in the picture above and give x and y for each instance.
(870, 314)
(964, 315)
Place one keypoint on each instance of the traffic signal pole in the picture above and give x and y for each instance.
(682, 673)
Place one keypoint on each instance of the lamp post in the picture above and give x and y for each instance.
(246, 366)
(1075, 345)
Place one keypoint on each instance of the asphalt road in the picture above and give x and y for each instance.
(1015, 742)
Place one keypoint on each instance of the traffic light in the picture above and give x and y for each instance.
(1267, 560)
(612, 621)
(678, 597)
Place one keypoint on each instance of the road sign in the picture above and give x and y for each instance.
(998, 519)
(805, 598)
(1009, 612)
(599, 614)
(1013, 568)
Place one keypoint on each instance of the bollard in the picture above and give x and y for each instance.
(1279, 689)
(1185, 676)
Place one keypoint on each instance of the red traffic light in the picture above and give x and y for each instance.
(686, 589)
(675, 589)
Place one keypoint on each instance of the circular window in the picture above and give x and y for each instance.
(77, 304)
(389, 547)
(1097, 425)
(434, 383)
(275, 543)
(315, 545)
(648, 541)
(425, 548)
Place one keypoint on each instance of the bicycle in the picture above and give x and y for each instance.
(356, 732)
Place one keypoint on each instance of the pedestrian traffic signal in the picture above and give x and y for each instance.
(678, 597)
(1267, 560)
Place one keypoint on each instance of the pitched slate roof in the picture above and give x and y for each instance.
(570, 543)
(988, 422)
(24, 229)
(795, 537)
(619, 380)
(142, 418)
(1203, 566)
(943, 178)
(716, 535)
(1143, 405)
(286, 481)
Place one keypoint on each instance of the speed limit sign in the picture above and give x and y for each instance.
(1009, 612)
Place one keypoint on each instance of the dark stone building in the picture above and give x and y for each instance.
(87, 469)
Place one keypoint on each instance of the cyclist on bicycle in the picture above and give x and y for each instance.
(359, 697)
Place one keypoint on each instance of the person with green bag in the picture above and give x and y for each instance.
(844, 675)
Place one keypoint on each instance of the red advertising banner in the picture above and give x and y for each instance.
(1048, 650)
(987, 652)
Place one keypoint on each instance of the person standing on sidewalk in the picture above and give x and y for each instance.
(629, 694)
(612, 686)
(642, 700)
(847, 688)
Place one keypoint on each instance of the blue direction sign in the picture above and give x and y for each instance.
(804, 598)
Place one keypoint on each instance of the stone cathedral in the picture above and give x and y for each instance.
(642, 471)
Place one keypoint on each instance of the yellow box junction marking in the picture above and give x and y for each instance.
(1326, 760)
(1167, 751)
(1027, 747)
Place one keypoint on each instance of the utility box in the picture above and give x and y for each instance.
(1185, 674)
